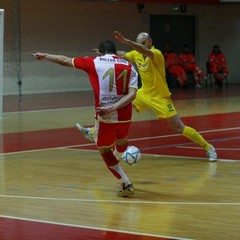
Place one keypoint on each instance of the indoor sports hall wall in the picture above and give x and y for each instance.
(74, 27)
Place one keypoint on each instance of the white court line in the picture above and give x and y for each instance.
(46, 110)
(121, 201)
(174, 135)
(225, 149)
(70, 148)
(220, 129)
(133, 139)
(197, 158)
(93, 228)
(53, 148)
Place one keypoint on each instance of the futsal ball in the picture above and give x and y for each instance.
(132, 155)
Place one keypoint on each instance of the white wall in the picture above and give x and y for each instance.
(75, 27)
(1, 58)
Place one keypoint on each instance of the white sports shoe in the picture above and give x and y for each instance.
(212, 154)
(197, 86)
(86, 132)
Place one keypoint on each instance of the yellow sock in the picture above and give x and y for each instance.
(196, 137)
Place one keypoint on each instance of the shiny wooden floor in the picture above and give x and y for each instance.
(54, 184)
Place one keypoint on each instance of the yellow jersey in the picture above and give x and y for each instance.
(152, 72)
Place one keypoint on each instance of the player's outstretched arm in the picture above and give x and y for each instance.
(121, 54)
(59, 59)
(135, 45)
(96, 51)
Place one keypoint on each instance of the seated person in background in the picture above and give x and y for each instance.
(190, 65)
(174, 66)
(217, 65)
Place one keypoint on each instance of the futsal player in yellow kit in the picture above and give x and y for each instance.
(154, 93)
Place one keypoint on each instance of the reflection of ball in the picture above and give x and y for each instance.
(132, 155)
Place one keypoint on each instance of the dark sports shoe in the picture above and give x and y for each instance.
(126, 191)
(218, 83)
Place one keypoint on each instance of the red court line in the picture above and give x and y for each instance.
(179, 146)
(53, 138)
(22, 229)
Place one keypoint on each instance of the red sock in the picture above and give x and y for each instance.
(122, 148)
(110, 161)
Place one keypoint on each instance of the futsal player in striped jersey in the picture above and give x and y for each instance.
(114, 82)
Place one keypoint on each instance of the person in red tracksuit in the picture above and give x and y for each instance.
(174, 66)
(217, 64)
(190, 65)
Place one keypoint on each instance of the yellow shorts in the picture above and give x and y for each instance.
(163, 107)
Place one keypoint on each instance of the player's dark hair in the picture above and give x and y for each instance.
(107, 47)
(216, 48)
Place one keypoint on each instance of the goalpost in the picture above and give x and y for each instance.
(1, 59)
(1, 87)
(10, 18)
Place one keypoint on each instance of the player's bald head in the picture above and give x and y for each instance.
(142, 37)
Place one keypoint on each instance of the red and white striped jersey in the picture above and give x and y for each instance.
(110, 77)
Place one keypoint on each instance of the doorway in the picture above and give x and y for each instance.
(174, 30)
